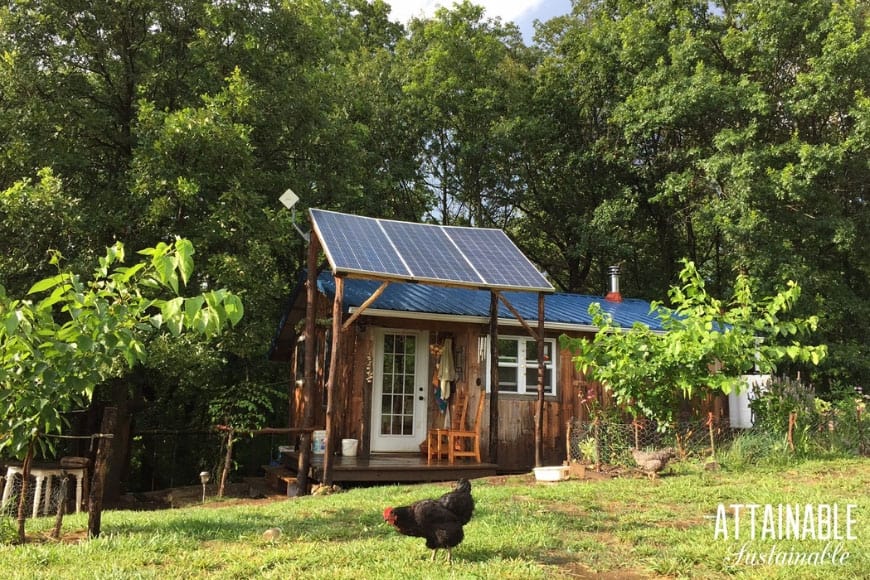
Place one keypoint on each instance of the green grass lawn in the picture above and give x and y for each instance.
(618, 528)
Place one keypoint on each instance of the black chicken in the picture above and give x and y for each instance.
(440, 520)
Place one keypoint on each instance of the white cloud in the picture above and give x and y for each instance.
(508, 10)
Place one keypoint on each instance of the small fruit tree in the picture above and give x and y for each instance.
(706, 343)
(70, 334)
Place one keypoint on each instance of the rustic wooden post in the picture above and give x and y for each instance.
(101, 468)
(25, 486)
(228, 460)
(304, 462)
(712, 439)
(330, 383)
(61, 507)
(539, 408)
(568, 427)
(493, 377)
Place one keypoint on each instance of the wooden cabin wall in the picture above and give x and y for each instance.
(355, 387)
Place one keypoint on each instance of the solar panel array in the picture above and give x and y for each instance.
(474, 257)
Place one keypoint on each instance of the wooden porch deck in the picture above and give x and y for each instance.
(391, 467)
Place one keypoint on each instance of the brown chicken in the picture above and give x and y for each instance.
(440, 520)
(651, 462)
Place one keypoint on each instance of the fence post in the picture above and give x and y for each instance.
(568, 441)
(598, 455)
(792, 419)
(710, 428)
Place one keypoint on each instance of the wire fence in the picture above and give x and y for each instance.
(609, 442)
(166, 459)
(52, 493)
(158, 460)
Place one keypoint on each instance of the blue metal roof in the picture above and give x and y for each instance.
(560, 309)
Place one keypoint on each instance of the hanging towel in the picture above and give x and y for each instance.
(446, 370)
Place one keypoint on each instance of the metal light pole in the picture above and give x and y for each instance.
(204, 476)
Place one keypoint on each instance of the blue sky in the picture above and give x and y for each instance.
(522, 12)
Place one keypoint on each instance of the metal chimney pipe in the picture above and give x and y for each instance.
(614, 295)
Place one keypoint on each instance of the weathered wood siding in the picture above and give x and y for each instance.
(516, 412)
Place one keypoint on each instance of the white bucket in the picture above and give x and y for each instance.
(348, 447)
(318, 442)
(551, 473)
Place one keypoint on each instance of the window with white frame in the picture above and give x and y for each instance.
(518, 366)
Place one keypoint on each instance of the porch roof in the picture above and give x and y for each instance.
(563, 311)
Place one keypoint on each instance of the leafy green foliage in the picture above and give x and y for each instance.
(73, 334)
(706, 344)
(246, 406)
(41, 212)
(836, 424)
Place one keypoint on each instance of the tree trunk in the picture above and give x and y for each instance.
(120, 442)
(101, 469)
(228, 459)
(61, 507)
(304, 462)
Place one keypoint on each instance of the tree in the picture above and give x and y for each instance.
(706, 344)
(78, 333)
(181, 118)
(575, 206)
(459, 73)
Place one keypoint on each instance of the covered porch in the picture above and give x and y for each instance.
(391, 467)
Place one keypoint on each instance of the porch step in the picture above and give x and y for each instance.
(280, 478)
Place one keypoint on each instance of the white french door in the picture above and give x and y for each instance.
(400, 390)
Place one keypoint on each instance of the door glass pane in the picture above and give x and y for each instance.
(397, 401)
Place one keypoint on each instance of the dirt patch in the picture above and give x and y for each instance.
(570, 566)
(249, 491)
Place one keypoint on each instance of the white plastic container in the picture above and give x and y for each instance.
(318, 442)
(551, 473)
(349, 447)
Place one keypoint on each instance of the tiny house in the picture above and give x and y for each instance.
(385, 332)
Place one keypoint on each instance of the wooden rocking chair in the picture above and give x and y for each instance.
(437, 441)
(458, 438)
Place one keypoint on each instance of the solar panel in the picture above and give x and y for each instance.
(425, 253)
(497, 259)
(429, 254)
(357, 244)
